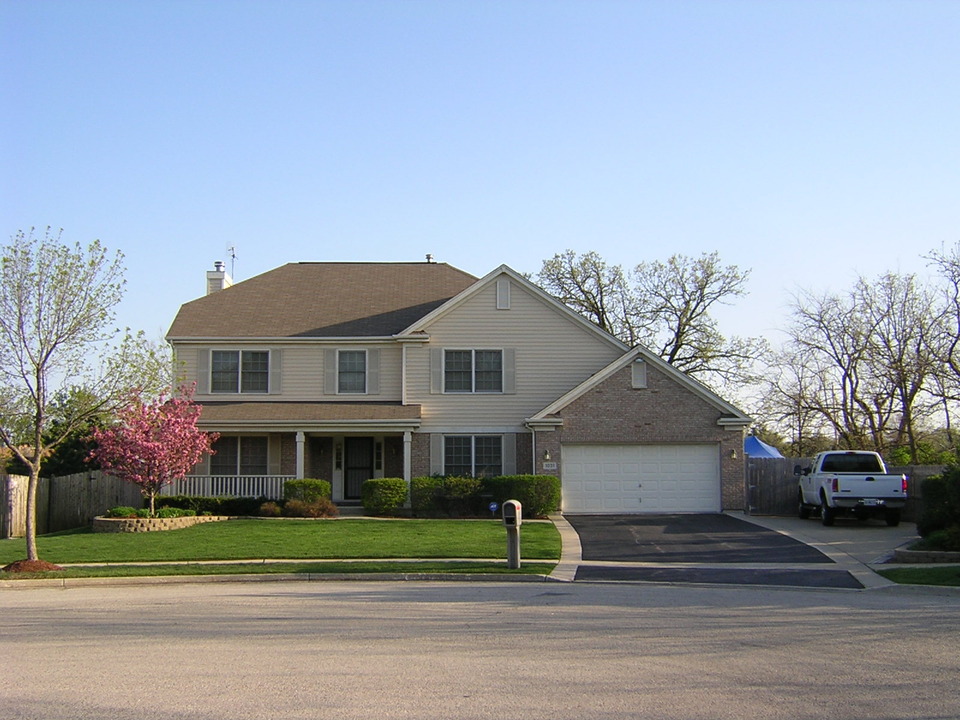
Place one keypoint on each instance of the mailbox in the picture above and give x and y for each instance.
(512, 513)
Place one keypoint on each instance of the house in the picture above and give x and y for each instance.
(349, 371)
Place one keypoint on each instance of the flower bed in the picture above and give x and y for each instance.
(119, 525)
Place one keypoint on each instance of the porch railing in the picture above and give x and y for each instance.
(268, 486)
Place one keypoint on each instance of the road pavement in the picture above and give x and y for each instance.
(477, 651)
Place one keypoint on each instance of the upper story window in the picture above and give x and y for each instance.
(352, 371)
(240, 371)
(473, 371)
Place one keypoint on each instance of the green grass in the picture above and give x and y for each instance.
(293, 539)
(948, 575)
(289, 568)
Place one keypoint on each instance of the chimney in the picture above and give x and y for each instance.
(218, 278)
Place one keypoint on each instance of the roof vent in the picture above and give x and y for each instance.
(429, 258)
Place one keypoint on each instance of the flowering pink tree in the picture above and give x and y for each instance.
(154, 443)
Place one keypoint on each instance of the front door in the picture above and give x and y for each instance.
(358, 464)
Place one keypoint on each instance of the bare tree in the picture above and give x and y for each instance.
(665, 306)
(56, 337)
(592, 288)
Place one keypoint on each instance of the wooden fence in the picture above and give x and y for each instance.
(63, 503)
(772, 486)
(73, 501)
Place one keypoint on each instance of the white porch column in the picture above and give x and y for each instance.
(301, 439)
(407, 455)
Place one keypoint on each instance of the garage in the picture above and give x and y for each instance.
(641, 478)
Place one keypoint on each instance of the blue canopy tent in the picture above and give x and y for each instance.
(755, 447)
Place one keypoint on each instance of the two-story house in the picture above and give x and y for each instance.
(349, 371)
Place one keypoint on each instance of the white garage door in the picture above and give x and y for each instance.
(641, 478)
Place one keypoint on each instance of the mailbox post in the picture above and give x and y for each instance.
(512, 519)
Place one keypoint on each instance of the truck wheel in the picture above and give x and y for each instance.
(893, 517)
(827, 513)
(804, 509)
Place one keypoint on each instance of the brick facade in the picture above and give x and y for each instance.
(663, 412)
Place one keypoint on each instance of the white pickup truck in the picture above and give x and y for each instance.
(850, 482)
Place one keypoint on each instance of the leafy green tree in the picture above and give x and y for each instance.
(57, 339)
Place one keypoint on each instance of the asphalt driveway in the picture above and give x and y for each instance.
(711, 548)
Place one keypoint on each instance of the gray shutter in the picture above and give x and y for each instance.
(276, 372)
(330, 372)
(373, 372)
(436, 370)
(203, 371)
(509, 371)
(509, 454)
(273, 454)
(436, 454)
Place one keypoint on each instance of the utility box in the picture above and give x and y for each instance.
(512, 513)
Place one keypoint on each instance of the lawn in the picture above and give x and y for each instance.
(349, 539)
(948, 575)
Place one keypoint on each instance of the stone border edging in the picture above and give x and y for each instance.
(925, 556)
(128, 525)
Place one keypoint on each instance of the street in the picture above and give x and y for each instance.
(477, 650)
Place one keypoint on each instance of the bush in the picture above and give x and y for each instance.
(269, 509)
(320, 508)
(941, 502)
(445, 495)
(425, 494)
(213, 505)
(948, 539)
(172, 512)
(307, 489)
(383, 496)
(121, 511)
(538, 494)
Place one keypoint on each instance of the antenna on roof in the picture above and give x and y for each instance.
(429, 258)
(232, 249)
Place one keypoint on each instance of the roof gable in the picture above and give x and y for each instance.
(732, 415)
(314, 300)
(422, 324)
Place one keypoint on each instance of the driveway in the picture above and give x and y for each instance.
(731, 549)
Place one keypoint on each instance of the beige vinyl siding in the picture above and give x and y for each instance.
(303, 371)
(553, 354)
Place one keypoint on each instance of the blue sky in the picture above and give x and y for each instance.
(808, 141)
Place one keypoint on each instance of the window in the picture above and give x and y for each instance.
(239, 456)
(473, 455)
(352, 371)
(240, 371)
(473, 371)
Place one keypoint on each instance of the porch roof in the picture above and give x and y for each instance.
(223, 415)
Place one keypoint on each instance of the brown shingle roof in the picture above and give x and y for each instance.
(323, 300)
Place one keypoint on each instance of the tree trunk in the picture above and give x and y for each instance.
(32, 484)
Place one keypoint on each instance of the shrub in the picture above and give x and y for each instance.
(383, 496)
(143, 513)
(948, 539)
(121, 511)
(538, 494)
(941, 502)
(320, 508)
(425, 494)
(213, 505)
(172, 512)
(269, 509)
(307, 489)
